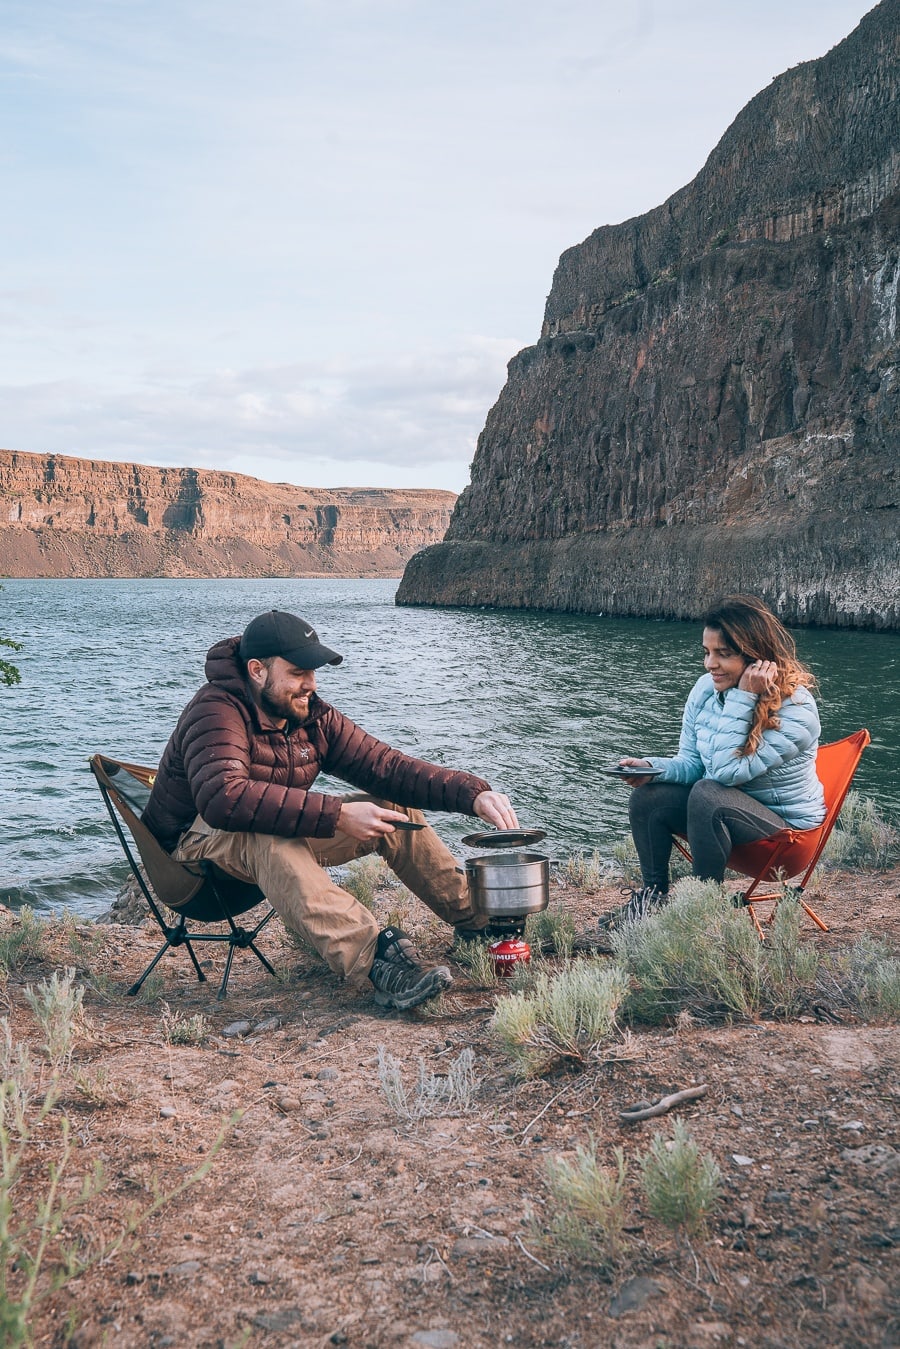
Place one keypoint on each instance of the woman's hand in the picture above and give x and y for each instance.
(637, 781)
(759, 677)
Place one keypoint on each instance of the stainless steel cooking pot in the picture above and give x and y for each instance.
(509, 885)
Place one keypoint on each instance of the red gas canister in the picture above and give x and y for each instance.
(507, 954)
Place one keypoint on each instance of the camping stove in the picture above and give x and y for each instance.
(506, 889)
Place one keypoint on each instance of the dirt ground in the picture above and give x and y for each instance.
(325, 1219)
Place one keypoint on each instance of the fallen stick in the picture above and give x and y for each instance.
(662, 1106)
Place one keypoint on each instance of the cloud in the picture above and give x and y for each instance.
(416, 414)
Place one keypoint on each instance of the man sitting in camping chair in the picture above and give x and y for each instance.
(234, 787)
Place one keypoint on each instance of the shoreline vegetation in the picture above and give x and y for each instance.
(686, 1140)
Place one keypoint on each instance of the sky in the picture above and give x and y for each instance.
(301, 239)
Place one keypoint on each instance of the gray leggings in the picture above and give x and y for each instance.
(714, 818)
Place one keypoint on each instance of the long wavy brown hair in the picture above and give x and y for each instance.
(752, 630)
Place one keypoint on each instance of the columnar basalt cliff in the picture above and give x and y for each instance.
(714, 402)
(61, 516)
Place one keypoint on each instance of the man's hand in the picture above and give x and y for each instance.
(495, 808)
(364, 820)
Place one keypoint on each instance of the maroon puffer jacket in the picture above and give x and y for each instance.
(228, 762)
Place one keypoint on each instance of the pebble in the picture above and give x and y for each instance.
(436, 1339)
(810, 1124)
(736, 1110)
(740, 1160)
(328, 1075)
(271, 1023)
(167, 1112)
(236, 1028)
(477, 1247)
(259, 1279)
(185, 1267)
(633, 1295)
(881, 1158)
(855, 1124)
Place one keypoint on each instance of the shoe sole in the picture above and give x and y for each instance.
(435, 982)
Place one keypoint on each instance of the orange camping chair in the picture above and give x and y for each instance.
(199, 891)
(795, 852)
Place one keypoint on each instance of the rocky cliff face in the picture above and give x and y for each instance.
(714, 401)
(61, 516)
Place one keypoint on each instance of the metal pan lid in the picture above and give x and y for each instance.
(505, 838)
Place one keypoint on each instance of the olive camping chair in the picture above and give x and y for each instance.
(796, 852)
(197, 891)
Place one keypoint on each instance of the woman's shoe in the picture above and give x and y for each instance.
(640, 904)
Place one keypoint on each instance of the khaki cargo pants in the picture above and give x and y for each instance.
(290, 872)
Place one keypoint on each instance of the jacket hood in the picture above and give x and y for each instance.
(225, 669)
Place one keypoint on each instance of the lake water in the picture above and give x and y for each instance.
(534, 702)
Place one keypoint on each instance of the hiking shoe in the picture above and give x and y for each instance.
(399, 979)
(640, 904)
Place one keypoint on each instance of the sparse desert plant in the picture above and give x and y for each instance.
(151, 990)
(625, 854)
(96, 1088)
(681, 1182)
(552, 930)
(365, 877)
(790, 965)
(37, 1254)
(863, 838)
(585, 871)
(452, 1094)
(23, 942)
(566, 1015)
(589, 1207)
(476, 960)
(179, 1029)
(698, 954)
(867, 975)
(56, 1004)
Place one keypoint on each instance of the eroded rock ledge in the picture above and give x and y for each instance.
(62, 516)
(714, 401)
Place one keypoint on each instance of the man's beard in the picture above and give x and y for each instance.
(284, 706)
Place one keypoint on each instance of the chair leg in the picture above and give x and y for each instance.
(175, 936)
(812, 913)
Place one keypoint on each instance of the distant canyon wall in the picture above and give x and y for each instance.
(62, 516)
(714, 401)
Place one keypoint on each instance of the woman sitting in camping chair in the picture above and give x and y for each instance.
(746, 761)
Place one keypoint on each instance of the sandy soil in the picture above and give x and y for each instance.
(326, 1220)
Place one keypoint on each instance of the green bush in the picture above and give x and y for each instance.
(24, 942)
(863, 838)
(681, 1183)
(564, 1016)
(589, 1207)
(698, 954)
(868, 977)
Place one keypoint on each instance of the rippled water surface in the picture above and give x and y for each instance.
(536, 703)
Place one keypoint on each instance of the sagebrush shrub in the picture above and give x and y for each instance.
(864, 837)
(589, 1206)
(698, 954)
(566, 1015)
(682, 1183)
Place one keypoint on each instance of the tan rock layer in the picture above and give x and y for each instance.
(62, 516)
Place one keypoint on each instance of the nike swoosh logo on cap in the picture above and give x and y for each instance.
(309, 634)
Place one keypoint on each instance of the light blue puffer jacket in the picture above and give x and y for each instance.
(782, 772)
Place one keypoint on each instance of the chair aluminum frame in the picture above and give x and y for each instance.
(199, 891)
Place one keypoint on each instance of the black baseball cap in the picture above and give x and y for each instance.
(279, 634)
